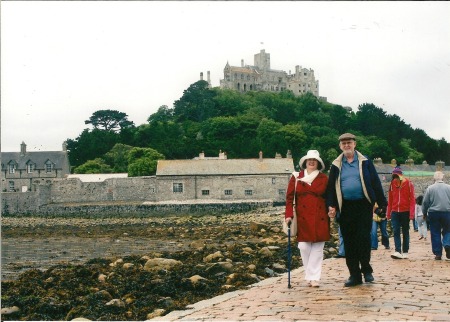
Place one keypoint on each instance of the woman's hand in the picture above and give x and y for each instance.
(288, 220)
(331, 212)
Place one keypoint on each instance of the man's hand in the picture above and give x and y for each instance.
(331, 212)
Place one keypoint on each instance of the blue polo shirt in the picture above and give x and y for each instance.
(351, 185)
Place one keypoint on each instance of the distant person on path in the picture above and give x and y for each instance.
(379, 222)
(341, 249)
(436, 206)
(313, 223)
(421, 222)
(401, 209)
(353, 189)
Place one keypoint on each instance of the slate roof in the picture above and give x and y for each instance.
(39, 158)
(225, 167)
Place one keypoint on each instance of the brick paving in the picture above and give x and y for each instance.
(414, 289)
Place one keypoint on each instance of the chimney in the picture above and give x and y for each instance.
(289, 154)
(64, 146)
(201, 76)
(201, 156)
(208, 78)
(242, 63)
(260, 156)
(23, 148)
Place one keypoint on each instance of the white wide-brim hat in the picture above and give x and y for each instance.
(312, 154)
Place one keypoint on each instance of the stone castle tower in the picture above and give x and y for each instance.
(261, 77)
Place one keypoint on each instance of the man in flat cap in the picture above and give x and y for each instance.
(353, 189)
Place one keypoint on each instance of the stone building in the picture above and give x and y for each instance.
(224, 179)
(261, 77)
(21, 170)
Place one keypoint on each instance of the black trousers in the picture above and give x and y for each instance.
(356, 225)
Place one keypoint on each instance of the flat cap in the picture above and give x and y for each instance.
(347, 136)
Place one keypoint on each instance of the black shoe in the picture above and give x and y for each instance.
(373, 248)
(447, 251)
(368, 277)
(338, 256)
(353, 281)
(438, 258)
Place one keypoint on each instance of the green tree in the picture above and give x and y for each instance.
(97, 165)
(109, 120)
(164, 114)
(117, 157)
(90, 145)
(196, 104)
(143, 161)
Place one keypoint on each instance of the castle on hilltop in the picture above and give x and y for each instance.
(261, 77)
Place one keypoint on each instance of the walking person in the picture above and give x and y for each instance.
(353, 189)
(401, 209)
(379, 222)
(436, 206)
(313, 224)
(421, 222)
(341, 249)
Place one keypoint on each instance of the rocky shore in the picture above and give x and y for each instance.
(137, 268)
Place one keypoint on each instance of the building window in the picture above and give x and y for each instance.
(248, 192)
(282, 192)
(48, 167)
(11, 186)
(274, 180)
(228, 192)
(12, 168)
(177, 187)
(205, 192)
(30, 167)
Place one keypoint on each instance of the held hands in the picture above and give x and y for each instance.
(331, 212)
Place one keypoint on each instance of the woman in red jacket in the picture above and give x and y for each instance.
(401, 209)
(308, 188)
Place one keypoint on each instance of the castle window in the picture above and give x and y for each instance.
(248, 192)
(205, 192)
(177, 187)
(248, 77)
(274, 180)
(11, 186)
(282, 192)
(242, 76)
(12, 168)
(228, 192)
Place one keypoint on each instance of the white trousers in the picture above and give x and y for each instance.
(312, 257)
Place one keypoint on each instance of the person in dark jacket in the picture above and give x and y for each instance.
(308, 189)
(353, 189)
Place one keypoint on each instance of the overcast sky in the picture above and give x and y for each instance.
(61, 61)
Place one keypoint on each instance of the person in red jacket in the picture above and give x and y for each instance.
(401, 209)
(313, 223)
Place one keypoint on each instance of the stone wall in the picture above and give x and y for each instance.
(130, 195)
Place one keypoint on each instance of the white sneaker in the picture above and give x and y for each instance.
(397, 255)
(405, 255)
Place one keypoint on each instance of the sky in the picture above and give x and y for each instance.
(63, 60)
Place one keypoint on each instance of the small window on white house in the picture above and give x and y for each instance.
(205, 192)
(48, 167)
(248, 192)
(12, 168)
(30, 167)
(177, 187)
(228, 192)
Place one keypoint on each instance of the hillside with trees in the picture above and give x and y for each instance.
(242, 124)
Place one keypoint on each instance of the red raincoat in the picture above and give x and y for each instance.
(313, 223)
